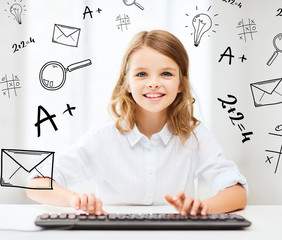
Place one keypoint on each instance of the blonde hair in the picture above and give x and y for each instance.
(180, 121)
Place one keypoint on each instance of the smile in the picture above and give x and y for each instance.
(154, 95)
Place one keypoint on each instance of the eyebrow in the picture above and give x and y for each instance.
(163, 69)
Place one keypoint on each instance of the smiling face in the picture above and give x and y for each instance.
(153, 80)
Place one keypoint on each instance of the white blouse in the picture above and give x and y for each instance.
(128, 168)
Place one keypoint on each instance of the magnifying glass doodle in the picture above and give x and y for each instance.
(53, 74)
(277, 43)
(131, 2)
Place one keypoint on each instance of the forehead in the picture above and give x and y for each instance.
(147, 57)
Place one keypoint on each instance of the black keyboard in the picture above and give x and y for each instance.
(156, 221)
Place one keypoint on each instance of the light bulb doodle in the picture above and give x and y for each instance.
(201, 23)
(17, 10)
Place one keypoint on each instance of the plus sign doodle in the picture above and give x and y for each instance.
(10, 85)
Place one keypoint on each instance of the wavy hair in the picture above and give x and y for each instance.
(180, 119)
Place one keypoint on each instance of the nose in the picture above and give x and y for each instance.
(153, 83)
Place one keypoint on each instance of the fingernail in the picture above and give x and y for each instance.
(183, 213)
(98, 212)
(91, 208)
(83, 208)
(193, 213)
(174, 198)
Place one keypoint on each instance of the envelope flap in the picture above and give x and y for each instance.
(27, 159)
(66, 30)
(268, 86)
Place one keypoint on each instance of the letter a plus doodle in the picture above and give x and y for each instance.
(48, 117)
(69, 108)
(87, 11)
(228, 49)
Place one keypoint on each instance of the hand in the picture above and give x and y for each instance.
(185, 205)
(88, 203)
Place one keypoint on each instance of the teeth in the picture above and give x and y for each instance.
(153, 95)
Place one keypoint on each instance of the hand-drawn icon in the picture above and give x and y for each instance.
(247, 29)
(52, 75)
(17, 9)
(10, 85)
(271, 152)
(278, 159)
(131, 2)
(123, 22)
(277, 43)
(66, 35)
(201, 23)
(18, 165)
(267, 92)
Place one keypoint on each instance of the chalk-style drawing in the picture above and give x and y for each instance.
(267, 92)
(278, 157)
(123, 21)
(277, 133)
(52, 75)
(69, 109)
(277, 43)
(247, 29)
(235, 119)
(66, 35)
(16, 9)
(132, 2)
(10, 86)
(201, 23)
(18, 165)
(42, 120)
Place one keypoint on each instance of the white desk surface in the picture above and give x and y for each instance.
(18, 222)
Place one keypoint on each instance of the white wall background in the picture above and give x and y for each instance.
(89, 89)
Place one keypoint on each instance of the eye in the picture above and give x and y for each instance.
(166, 74)
(141, 74)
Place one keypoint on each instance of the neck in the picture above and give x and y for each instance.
(149, 123)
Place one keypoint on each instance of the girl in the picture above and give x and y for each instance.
(155, 149)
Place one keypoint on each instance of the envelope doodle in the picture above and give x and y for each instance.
(66, 35)
(267, 92)
(18, 165)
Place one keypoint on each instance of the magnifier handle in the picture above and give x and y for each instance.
(270, 61)
(138, 5)
(78, 65)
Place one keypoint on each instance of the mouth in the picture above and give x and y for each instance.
(154, 96)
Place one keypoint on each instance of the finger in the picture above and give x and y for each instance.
(187, 205)
(104, 212)
(91, 203)
(204, 211)
(173, 201)
(84, 201)
(98, 206)
(75, 202)
(195, 207)
(180, 196)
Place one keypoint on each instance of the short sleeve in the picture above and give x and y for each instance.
(212, 166)
(72, 165)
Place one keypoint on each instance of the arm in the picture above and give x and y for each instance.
(63, 197)
(228, 200)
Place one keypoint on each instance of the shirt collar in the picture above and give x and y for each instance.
(134, 136)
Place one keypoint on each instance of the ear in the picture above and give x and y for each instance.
(180, 88)
(128, 88)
